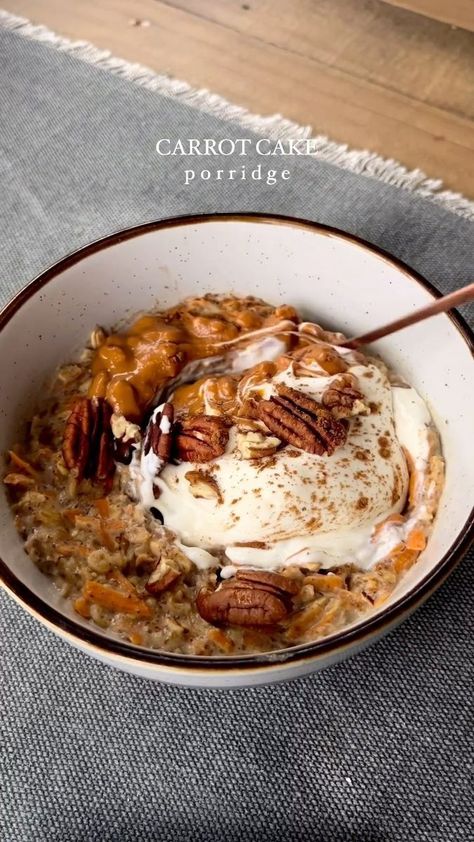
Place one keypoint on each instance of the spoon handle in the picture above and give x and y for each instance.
(447, 302)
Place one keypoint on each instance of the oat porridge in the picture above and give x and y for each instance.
(224, 478)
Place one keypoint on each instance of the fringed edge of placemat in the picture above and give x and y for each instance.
(359, 161)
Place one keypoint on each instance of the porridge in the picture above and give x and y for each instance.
(224, 478)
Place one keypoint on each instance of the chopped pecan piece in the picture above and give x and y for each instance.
(343, 399)
(159, 433)
(240, 606)
(299, 420)
(88, 440)
(201, 438)
(125, 435)
(203, 485)
(255, 445)
(163, 577)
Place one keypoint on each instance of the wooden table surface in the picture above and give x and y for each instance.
(363, 72)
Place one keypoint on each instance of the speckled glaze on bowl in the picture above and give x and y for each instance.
(330, 276)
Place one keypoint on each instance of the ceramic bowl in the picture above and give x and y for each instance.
(329, 276)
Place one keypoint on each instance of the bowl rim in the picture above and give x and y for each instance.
(352, 637)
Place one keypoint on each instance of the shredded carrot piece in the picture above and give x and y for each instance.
(136, 638)
(115, 600)
(72, 549)
(409, 460)
(328, 617)
(81, 605)
(94, 523)
(415, 477)
(400, 548)
(221, 640)
(325, 582)
(404, 560)
(304, 619)
(103, 507)
(413, 488)
(70, 514)
(390, 519)
(19, 479)
(416, 540)
(86, 522)
(252, 637)
(106, 538)
(354, 600)
(23, 464)
(115, 525)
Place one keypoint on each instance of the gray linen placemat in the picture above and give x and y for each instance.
(375, 749)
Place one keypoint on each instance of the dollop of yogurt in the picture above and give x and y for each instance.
(299, 507)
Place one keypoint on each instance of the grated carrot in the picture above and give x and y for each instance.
(325, 582)
(81, 605)
(19, 479)
(381, 600)
(86, 522)
(23, 464)
(114, 600)
(103, 507)
(107, 539)
(70, 515)
(136, 638)
(390, 519)
(416, 540)
(413, 488)
(255, 638)
(72, 549)
(414, 477)
(404, 560)
(224, 643)
(305, 618)
(115, 525)
(325, 621)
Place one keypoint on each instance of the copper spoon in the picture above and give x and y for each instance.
(447, 302)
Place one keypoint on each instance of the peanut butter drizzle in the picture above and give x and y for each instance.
(130, 368)
(211, 395)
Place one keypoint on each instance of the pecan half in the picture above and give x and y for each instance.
(343, 399)
(265, 578)
(240, 606)
(201, 438)
(159, 433)
(301, 421)
(252, 598)
(88, 441)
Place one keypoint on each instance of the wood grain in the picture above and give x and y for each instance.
(362, 72)
(456, 12)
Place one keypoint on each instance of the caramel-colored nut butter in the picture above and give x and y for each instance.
(130, 368)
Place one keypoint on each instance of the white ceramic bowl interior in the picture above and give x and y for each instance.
(330, 278)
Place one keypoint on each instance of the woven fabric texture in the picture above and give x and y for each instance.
(378, 748)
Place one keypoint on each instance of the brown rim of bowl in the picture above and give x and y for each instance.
(343, 639)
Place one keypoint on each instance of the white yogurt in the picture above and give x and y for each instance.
(304, 507)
